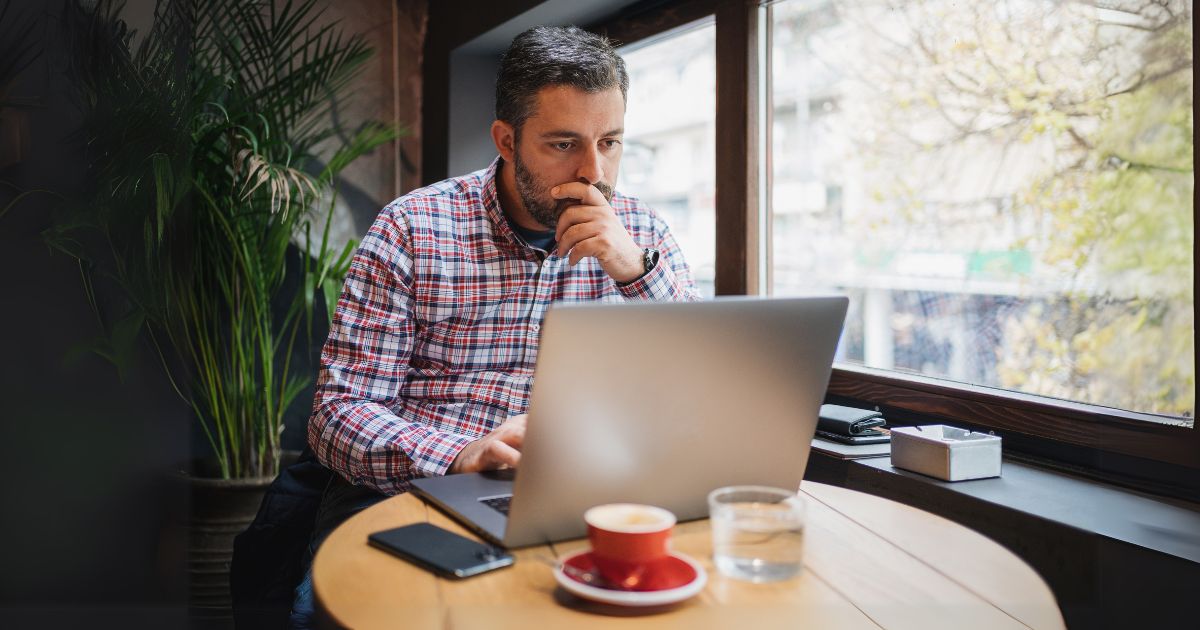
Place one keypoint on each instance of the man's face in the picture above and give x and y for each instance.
(572, 136)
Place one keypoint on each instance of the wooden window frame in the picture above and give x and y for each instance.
(1135, 449)
(737, 124)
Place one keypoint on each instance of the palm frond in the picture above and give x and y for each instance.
(368, 137)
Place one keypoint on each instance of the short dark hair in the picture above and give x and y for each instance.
(554, 55)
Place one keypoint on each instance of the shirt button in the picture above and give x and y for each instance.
(536, 328)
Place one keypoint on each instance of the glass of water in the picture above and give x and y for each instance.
(758, 532)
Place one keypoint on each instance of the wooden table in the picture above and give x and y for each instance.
(869, 563)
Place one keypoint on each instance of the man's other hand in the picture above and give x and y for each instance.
(499, 449)
(592, 229)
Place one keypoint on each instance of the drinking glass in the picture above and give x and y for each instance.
(758, 532)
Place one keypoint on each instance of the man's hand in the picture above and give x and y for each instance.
(499, 449)
(592, 229)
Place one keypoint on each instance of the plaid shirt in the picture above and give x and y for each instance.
(435, 336)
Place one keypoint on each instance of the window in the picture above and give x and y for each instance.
(1004, 274)
(669, 152)
(1004, 189)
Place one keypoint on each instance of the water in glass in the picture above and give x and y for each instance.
(757, 536)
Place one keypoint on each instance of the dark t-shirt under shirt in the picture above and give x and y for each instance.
(536, 238)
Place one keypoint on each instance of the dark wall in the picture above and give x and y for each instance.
(473, 108)
(90, 511)
(451, 24)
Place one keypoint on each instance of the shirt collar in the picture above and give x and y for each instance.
(491, 203)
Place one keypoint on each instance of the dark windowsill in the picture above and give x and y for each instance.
(1168, 526)
(1150, 457)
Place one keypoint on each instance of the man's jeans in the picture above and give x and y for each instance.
(340, 501)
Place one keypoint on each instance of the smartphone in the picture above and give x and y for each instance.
(440, 551)
(870, 436)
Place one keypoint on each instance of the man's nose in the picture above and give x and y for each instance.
(591, 169)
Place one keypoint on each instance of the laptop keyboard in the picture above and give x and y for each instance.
(500, 504)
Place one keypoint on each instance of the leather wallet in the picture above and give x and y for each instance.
(848, 421)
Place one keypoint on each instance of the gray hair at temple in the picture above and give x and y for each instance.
(554, 55)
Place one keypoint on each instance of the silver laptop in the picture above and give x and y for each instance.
(655, 403)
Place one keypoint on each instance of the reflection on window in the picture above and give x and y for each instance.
(1004, 189)
(670, 137)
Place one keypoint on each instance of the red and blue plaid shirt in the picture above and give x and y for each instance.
(435, 335)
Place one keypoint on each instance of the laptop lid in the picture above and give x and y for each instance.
(661, 403)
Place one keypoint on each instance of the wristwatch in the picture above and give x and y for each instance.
(649, 260)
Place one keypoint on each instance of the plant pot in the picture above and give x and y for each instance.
(220, 510)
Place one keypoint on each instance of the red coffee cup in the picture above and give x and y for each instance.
(628, 540)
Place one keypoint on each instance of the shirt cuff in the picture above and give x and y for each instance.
(660, 284)
(438, 451)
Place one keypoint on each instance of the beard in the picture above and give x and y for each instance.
(535, 194)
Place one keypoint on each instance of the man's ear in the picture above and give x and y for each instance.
(505, 138)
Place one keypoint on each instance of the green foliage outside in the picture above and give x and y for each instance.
(1086, 114)
(1121, 220)
(1129, 218)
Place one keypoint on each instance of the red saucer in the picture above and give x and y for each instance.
(675, 580)
(670, 573)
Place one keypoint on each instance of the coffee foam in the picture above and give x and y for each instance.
(629, 517)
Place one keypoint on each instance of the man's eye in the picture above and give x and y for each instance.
(563, 146)
(608, 144)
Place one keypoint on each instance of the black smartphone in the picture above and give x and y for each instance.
(441, 551)
(870, 436)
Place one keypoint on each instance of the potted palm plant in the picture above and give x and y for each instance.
(204, 178)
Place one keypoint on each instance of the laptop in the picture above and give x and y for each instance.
(656, 403)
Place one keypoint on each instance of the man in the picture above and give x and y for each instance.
(429, 361)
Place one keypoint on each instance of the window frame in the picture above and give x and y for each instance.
(737, 125)
(1127, 447)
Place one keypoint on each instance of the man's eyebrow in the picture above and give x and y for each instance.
(563, 133)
